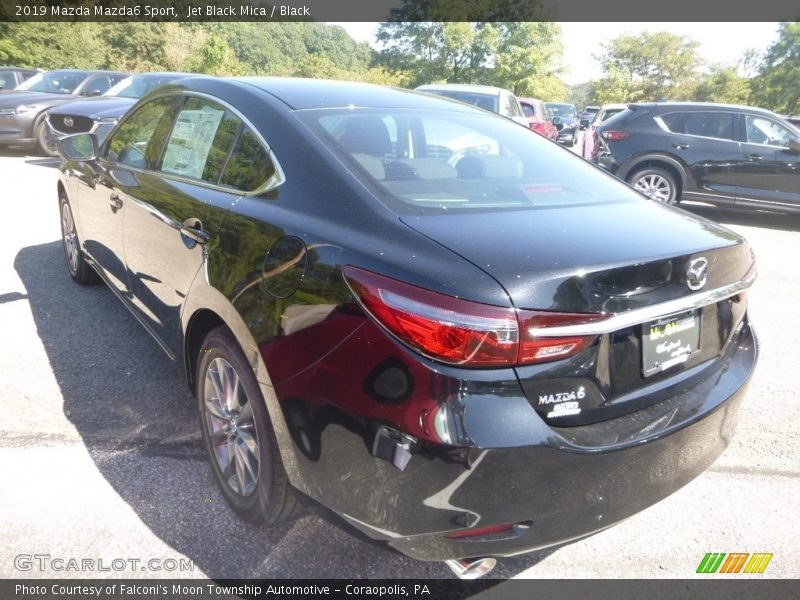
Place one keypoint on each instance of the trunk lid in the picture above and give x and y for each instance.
(608, 257)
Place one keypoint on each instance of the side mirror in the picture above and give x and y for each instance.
(584, 123)
(80, 147)
(94, 93)
(794, 146)
(558, 122)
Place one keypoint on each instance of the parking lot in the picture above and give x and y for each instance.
(101, 451)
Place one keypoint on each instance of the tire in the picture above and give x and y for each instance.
(41, 139)
(656, 184)
(80, 270)
(238, 435)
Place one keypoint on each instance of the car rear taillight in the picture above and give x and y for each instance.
(462, 332)
(613, 135)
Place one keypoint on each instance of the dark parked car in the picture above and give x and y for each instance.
(487, 97)
(11, 77)
(587, 116)
(568, 118)
(716, 153)
(22, 110)
(539, 118)
(793, 119)
(99, 115)
(464, 341)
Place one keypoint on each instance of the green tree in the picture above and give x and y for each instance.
(527, 60)
(777, 85)
(723, 84)
(657, 66)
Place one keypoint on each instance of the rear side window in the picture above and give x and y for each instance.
(249, 166)
(139, 139)
(717, 125)
(528, 110)
(200, 140)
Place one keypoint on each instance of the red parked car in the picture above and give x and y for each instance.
(539, 118)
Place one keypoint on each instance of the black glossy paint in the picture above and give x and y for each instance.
(729, 172)
(331, 376)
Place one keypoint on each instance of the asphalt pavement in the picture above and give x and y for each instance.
(101, 456)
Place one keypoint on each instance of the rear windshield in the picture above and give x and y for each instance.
(484, 101)
(561, 110)
(435, 161)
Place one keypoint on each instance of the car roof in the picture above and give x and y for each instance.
(711, 106)
(529, 100)
(164, 73)
(307, 94)
(464, 87)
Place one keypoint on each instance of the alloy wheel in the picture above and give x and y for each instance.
(231, 428)
(655, 187)
(70, 238)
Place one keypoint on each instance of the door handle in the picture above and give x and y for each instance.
(193, 229)
(681, 146)
(115, 202)
(755, 157)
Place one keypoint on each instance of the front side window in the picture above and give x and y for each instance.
(139, 139)
(761, 130)
(455, 161)
(200, 140)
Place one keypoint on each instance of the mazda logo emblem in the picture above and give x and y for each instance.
(68, 121)
(697, 273)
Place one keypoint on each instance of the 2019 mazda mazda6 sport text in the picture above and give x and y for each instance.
(464, 340)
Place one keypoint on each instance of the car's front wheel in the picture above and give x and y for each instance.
(655, 183)
(41, 139)
(80, 271)
(238, 434)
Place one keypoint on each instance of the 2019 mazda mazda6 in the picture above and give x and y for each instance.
(464, 340)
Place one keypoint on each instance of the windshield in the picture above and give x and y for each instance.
(437, 161)
(484, 101)
(561, 110)
(54, 82)
(137, 86)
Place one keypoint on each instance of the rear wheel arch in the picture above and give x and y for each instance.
(669, 164)
(206, 309)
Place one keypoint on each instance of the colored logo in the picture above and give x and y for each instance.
(735, 562)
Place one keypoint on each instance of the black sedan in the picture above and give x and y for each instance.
(99, 115)
(22, 110)
(462, 340)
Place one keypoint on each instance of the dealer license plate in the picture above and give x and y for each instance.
(669, 342)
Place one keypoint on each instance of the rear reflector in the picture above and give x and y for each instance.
(462, 332)
(479, 531)
(613, 136)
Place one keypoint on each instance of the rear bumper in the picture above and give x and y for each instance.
(561, 484)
